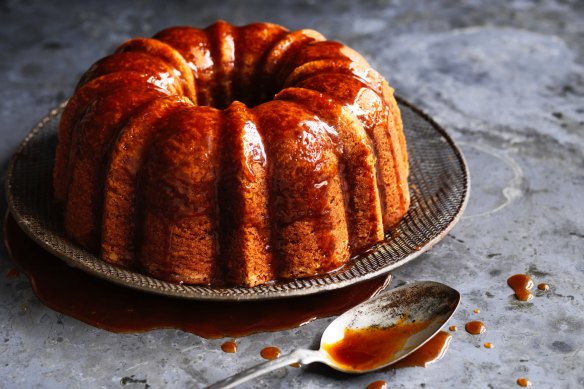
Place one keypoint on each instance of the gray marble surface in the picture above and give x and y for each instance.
(506, 78)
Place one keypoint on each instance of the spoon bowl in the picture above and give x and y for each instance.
(385, 329)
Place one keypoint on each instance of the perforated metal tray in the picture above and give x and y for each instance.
(439, 184)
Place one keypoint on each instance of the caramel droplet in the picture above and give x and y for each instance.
(295, 365)
(270, 352)
(523, 382)
(12, 273)
(377, 385)
(229, 347)
(475, 327)
(543, 286)
(488, 345)
(521, 284)
(452, 328)
(476, 310)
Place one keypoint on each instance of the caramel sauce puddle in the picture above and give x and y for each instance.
(118, 309)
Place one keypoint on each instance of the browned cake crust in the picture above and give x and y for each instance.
(231, 155)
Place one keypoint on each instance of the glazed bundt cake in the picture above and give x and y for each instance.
(231, 155)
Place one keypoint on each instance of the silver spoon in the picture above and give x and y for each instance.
(424, 301)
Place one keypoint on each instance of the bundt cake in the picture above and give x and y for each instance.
(231, 155)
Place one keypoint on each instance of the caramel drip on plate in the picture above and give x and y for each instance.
(118, 309)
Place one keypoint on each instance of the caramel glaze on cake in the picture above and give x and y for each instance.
(231, 155)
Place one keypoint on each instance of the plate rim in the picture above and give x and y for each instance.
(259, 295)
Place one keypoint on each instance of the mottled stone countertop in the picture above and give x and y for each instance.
(506, 78)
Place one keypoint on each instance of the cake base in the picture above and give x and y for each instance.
(117, 309)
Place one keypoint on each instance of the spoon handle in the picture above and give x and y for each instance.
(305, 357)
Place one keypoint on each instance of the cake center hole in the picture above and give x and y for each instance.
(223, 90)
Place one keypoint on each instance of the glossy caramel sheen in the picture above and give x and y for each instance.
(231, 155)
(521, 284)
(368, 348)
(114, 308)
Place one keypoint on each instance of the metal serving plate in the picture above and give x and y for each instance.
(439, 184)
